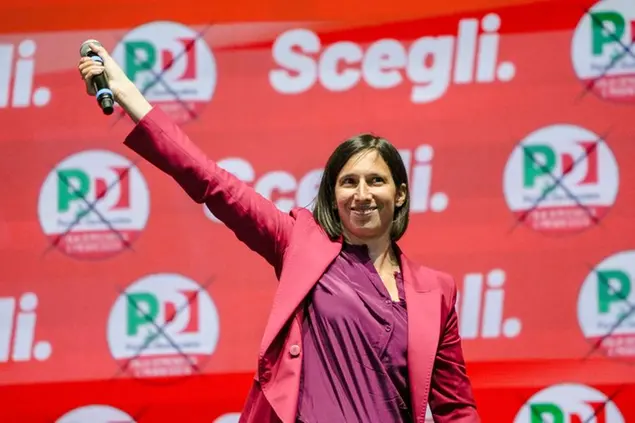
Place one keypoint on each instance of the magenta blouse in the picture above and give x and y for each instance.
(355, 339)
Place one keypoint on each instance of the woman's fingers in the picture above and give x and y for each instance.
(88, 69)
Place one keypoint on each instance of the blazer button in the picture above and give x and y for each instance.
(294, 350)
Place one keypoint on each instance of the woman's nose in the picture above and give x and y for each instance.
(362, 192)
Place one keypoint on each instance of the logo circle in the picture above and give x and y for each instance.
(602, 50)
(561, 179)
(95, 414)
(563, 402)
(94, 204)
(605, 301)
(228, 418)
(172, 65)
(163, 325)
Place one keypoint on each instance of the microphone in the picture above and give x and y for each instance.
(104, 96)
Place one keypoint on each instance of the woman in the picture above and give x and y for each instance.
(340, 344)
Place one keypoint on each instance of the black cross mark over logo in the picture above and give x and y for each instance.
(160, 332)
(538, 411)
(623, 298)
(603, 34)
(159, 77)
(90, 208)
(558, 182)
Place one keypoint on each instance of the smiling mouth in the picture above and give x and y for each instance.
(363, 211)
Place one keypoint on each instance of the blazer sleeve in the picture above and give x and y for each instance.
(451, 398)
(255, 220)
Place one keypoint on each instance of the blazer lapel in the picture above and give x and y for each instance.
(423, 299)
(310, 253)
(303, 268)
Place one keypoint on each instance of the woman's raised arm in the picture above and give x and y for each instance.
(255, 220)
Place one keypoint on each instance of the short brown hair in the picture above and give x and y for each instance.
(325, 212)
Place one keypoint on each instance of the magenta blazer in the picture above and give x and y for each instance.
(300, 251)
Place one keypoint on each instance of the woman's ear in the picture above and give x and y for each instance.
(402, 193)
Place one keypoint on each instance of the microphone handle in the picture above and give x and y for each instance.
(104, 95)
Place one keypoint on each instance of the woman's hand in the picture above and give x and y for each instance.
(123, 89)
(117, 79)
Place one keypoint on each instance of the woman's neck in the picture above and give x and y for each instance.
(380, 249)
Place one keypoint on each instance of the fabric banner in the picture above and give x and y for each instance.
(515, 121)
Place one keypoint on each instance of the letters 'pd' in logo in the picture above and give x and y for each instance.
(605, 301)
(94, 204)
(171, 64)
(95, 414)
(567, 403)
(561, 179)
(163, 325)
(603, 50)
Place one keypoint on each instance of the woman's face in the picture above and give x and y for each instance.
(366, 196)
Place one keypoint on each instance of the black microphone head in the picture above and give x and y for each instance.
(85, 47)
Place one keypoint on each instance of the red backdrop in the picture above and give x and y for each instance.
(514, 119)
